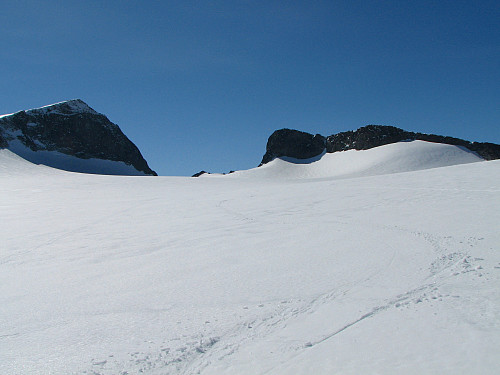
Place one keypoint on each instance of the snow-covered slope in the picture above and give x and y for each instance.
(391, 158)
(389, 274)
(71, 163)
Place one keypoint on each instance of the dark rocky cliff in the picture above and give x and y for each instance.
(293, 143)
(71, 128)
(301, 145)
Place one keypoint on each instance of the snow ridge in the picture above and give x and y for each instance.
(66, 107)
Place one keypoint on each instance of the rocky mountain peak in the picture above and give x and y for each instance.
(71, 128)
(68, 107)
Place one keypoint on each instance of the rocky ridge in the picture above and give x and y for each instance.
(301, 145)
(72, 128)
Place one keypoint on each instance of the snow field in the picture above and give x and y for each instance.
(395, 273)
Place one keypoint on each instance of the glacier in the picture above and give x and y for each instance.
(377, 261)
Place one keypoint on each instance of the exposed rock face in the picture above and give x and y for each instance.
(366, 137)
(293, 143)
(377, 135)
(200, 173)
(3, 140)
(71, 128)
(300, 145)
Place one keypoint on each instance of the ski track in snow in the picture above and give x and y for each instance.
(456, 262)
(444, 267)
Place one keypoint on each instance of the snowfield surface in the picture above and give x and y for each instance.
(393, 273)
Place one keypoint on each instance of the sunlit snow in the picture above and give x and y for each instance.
(320, 272)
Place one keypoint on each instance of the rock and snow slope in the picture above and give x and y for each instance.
(302, 145)
(394, 273)
(391, 158)
(71, 136)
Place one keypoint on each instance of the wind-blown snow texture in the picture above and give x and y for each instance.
(245, 274)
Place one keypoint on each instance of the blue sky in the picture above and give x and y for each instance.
(202, 84)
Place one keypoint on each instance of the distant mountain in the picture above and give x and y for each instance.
(301, 145)
(71, 136)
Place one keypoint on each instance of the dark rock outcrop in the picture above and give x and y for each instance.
(365, 138)
(294, 144)
(300, 145)
(378, 135)
(200, 173)
(71, 128)
(3, 140)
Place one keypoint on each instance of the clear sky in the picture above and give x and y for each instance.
(202, 84)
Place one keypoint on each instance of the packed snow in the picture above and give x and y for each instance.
(315, 273)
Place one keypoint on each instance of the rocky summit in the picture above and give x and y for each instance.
(294, 144)
(71, 129)
(301, 145)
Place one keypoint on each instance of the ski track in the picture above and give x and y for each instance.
(229, 342)
(204, 348)
(446, 265)
(455, 264)
(197, 353)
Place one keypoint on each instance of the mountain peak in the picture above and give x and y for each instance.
(67, 107)
(70, 135)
